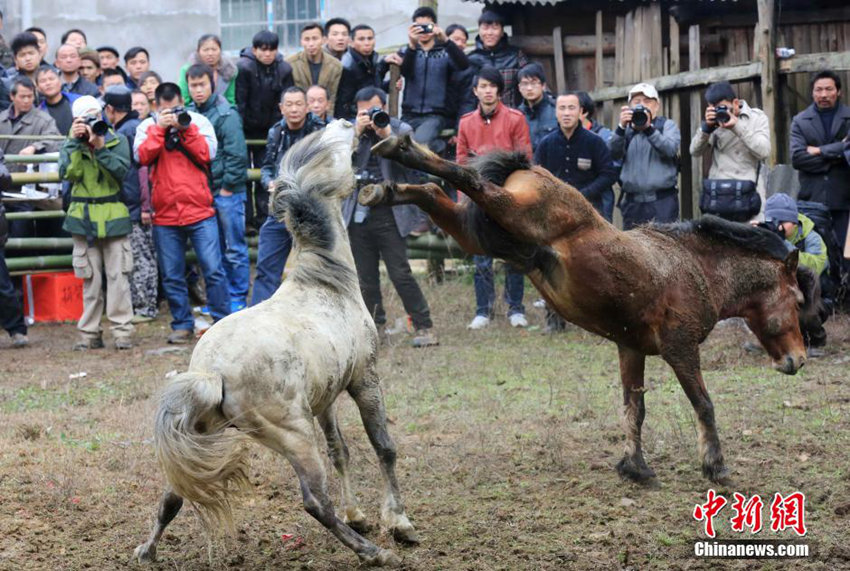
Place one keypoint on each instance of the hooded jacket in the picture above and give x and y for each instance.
(131, 190)
(427, 75)
(358, 72)
(225, 83)
(813, 254)
(258, 91)
(230, 166)
(507, 59)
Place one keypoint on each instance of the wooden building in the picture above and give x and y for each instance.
(605, 46)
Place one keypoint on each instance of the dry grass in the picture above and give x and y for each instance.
(507, 443)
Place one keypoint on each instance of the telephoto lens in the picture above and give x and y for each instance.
(183, 117)
(640, 116)
(379, 117)
(721, 114)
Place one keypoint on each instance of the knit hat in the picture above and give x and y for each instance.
(780, 208)
(85, 106)
(119, 97)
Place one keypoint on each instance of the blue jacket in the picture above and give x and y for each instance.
(650, 158)
(131, 193)
(427, 75)
(541, 118)
(279, 140)
(583, 161)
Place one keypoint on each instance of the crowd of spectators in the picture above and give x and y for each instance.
(150, 164)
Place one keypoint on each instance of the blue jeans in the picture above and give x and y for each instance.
(426, 129)
(11, 310)
(171, 252)
(230, 211)
(485, 288)
(275, 244)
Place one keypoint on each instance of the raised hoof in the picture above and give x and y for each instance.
(145, 553)
(718, 474)
(384, 558)
(635, 471)
(372, 195)
(406, 536)
(387, 147)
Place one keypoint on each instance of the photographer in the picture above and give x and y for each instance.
(11, 313)
(648, 146)
(738, 137)
(379, 232)
(177, 147)
(95, 160)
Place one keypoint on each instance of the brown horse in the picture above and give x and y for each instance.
(655, 290)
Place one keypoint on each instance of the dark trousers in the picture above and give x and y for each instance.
(839, 226)
(377, 238)
(11, 309)
(663, 210)
(257, 207)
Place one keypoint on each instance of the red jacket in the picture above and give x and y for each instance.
(505, 129)
(180, 192)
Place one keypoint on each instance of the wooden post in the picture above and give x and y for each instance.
(558, 43)
(766, 32)
(395, 74)
(696, 120)
(600, 74)
(686, 204)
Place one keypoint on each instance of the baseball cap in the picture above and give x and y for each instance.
(85, 106)
(119, 96)
(644, 88)
(108, 49)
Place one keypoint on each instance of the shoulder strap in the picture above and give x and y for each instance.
(200, 166)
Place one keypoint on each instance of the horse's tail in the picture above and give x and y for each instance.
(203, 462)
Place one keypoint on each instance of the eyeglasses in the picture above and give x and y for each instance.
(533, 83)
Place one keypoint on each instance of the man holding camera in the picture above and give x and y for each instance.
(648, 145)
(738, 137)
(94, 160)
(275, 240)
(11, 311)
(379, 232)
(177, 146)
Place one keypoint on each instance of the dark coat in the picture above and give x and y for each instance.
(824, 178)
(258, 91)
(407, 216)
(279, 140)
(357, 72)
(131, 193)
(427, 75)
(508, 60)
(461, 99)
(541, 118)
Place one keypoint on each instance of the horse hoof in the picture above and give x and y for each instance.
(386, 147)
(407, 536)
(371, 195)
(384, 558)
(637, 472)
(718, 474)
(145, 553)
(358, 522)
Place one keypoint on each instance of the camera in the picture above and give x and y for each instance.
(183, 117)
(98, 126)
(640, 116)
(721, 114)
(426, 28)
(379, 117)
(773, 226)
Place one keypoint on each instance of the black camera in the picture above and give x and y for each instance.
(98, 126)
(183, 117)
(379, 117)
(640, 116)
(426, 28)
(773, 226)
(721, 114)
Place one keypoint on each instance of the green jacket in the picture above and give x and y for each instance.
(224, 86)
(96, 210)
(812, 248)
(229, 168)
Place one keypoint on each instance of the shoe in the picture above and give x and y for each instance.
(480, 322)
(204, 310)
(236, 305)
(518, 320)
(19, 340)
(540, 303)
(180, 337)
(815, 352)
(123, 343)
(88, 343)
(402, 325)
(138, 318)
(752, 348)
(425, 338)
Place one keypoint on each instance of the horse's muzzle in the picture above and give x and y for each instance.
(790, 365)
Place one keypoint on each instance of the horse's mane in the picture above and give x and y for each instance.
(752, 238)
(496, 166)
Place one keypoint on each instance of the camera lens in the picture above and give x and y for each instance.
(639, 116)
(379, 117)
(99, 128)
(184, 119)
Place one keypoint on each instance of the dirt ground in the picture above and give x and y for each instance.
(507, 442)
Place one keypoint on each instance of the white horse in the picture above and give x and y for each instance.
(266, 371)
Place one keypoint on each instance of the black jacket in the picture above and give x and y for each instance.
(258, 91)
(427, 75)
(357, 72)
(507, 59)
(824, 178)
(279, 140)
(131, 189)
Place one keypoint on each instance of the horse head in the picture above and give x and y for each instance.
(773, 317)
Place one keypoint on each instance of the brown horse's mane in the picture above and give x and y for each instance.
(714, 229)
(497, 165)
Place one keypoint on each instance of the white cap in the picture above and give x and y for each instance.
(85, 105)
(645, 89)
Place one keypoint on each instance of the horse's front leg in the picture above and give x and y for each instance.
(445, 213)
(633, 465)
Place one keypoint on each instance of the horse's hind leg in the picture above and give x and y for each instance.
(370, 400)
(338, 452)
(685, 362)
(633, 464)
(169, 506)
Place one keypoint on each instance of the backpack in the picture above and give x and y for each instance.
(831, 278)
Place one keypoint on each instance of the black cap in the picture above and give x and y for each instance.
(108, 49)
(119, 97)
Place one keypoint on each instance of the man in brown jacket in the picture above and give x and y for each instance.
(312, 66)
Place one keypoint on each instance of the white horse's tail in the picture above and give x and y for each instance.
(203, 461)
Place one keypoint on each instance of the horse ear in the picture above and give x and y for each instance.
(791, 261)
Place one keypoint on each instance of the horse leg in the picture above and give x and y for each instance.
(685, 362)
(370, 400)
(169, 506)
(445, 213)
(338, 452)
(633, 464)
(297, 442)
